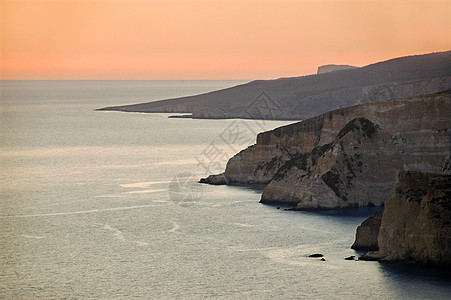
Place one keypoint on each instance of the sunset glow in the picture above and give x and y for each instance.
(225, 39)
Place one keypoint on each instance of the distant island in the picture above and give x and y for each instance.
(300, 98)
(333, 68)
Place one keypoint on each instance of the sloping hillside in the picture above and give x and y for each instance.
(303, 97)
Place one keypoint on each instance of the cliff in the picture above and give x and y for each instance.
(299, 98)
(348, 157)
(333, 68)
(415, 225)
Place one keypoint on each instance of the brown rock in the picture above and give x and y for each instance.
(219, 179)
(370, 256)
(416, 221)
(367, 233)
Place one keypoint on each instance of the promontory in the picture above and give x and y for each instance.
(300, 98)
(348, 157)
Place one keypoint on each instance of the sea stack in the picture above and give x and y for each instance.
(367, 233)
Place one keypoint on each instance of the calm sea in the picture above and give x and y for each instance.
(99, 204)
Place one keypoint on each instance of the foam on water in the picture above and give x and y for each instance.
(79, 212)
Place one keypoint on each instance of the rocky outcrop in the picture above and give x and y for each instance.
(219, 179)
(300, 98)
(348, 157)
(367, 233)
(416, 223)
(334, 68)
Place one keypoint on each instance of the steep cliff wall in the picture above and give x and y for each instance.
(416, 223)
(348, 157)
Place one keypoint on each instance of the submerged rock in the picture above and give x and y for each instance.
(370, 256)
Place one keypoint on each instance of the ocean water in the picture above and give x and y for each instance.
(104, 205)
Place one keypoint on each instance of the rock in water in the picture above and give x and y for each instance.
(370, 256)
(219, 179)
(316, 255)
(367, 233)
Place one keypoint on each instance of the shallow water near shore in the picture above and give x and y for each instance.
(99, 204)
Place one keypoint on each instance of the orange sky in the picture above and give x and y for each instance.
(215, 39)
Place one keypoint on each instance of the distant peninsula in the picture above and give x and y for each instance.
(300, 98)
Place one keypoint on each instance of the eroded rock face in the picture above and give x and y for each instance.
(367, 233)
(348, 157)
(416, 224)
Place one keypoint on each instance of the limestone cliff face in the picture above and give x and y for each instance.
(416, 223)
(347, 157)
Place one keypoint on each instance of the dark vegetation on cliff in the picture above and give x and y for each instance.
(348, 157)
(301, 160)
(303, 97)
(363, 125)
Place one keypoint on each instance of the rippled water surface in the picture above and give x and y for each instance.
(105, 205)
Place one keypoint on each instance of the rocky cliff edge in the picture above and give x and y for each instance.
(416, 223)
(348, 157)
